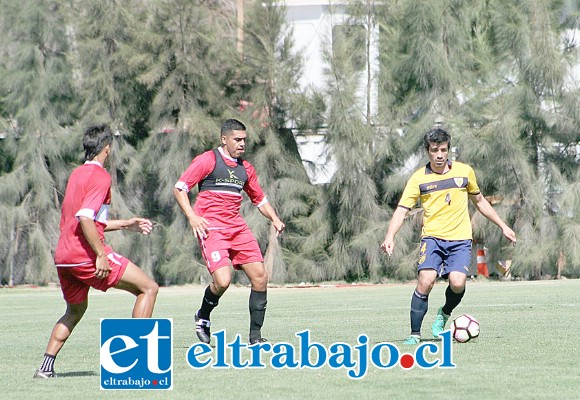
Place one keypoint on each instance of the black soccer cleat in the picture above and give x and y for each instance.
(39, 374)
(258, 340)
(202, 329)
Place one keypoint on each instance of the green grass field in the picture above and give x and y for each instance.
(529, 347)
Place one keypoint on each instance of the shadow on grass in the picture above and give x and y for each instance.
(402, 340)
(76, 374)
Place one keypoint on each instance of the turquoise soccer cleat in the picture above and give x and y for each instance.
(413, 339)
(439, 324)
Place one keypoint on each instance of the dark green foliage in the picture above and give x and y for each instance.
(166, 73)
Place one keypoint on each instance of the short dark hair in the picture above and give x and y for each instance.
(232, 125)
(436, 135)
(95, 139)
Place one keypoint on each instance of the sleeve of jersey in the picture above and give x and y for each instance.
(472, 187)
(95, 196)
(252, 187)
(410, 194)
(200, 167)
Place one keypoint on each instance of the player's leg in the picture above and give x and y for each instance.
(221, 281)
(75, 291)
(453, 295)
(135, 281)
(65, 325)
(459, 257)
(454, 292)
(258, 276)
(246, 255)
(420, 303)
(215, 251)
(59, 335)
(428, 269)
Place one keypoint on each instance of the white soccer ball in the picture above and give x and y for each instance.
(464, 328)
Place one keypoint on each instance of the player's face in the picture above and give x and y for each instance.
(438, 154)
(234, 144)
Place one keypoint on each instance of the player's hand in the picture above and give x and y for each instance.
(280, 226)
(388, 246)
(102, 267)
(140, 225)
(199, 226)
(510, 235)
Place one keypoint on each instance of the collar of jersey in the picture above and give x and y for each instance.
(223, 153)
(428, 169)
(94, 163)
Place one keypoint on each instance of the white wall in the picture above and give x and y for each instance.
(311, 23)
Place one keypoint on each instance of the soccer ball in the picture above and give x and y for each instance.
(464, 328)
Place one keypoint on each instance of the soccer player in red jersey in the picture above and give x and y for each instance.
(223, 235)
(82, 258)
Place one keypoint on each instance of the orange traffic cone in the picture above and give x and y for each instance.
(482, 263)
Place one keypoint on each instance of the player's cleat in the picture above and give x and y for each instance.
(39, 374)
(413, 339)
(202, 329)
(439, 324)
(258, 340)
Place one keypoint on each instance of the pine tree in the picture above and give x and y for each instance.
(105, 51)
(38, 101)
(522, 127)
(353, 194)
(266, 86)
(494, 74)
(187, 52)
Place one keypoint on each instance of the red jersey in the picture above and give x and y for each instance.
(88, 194)
(220, 208)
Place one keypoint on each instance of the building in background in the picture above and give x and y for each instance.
(315, 25)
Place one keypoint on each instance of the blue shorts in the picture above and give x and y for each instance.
(444, 256)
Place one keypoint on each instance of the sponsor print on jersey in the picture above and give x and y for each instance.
(451, 183)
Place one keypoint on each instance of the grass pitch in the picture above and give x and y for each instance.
(529, 347)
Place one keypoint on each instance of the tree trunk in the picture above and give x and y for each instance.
(560, 264)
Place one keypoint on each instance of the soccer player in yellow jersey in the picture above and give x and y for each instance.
(443, 188)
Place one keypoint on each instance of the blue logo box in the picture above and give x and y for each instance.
(136, 354)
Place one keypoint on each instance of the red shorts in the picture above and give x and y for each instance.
(236, 245)
(76, 281)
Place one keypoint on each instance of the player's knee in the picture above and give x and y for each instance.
(457, 282)
(424, 286)
(74, 312)
(152, 288)
(457, 287)
(260, 282)
(221, 284)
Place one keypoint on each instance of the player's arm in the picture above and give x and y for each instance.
(258, 198)
(268, 211)
(489, 212)
(92, 235)
(199, 225)
(406, 203)
(200, 167)
(396, 222)
(136, 224)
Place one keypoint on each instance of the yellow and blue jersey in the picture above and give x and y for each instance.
(444, 198)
